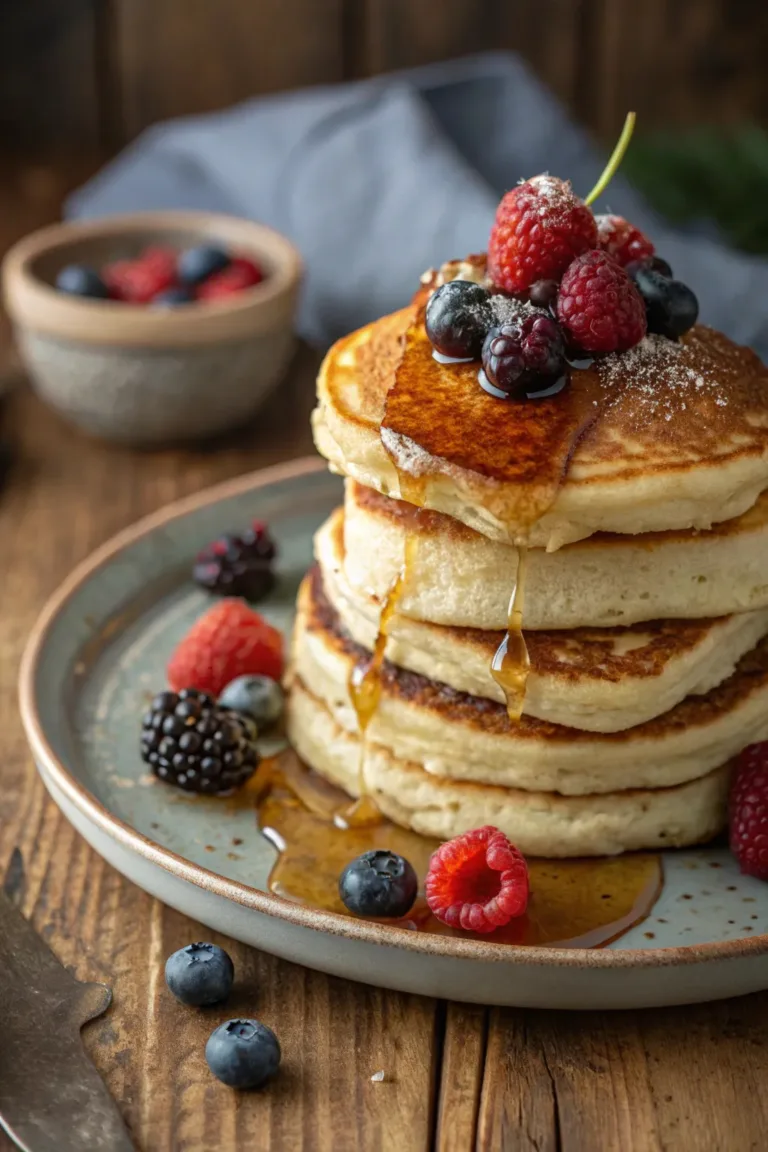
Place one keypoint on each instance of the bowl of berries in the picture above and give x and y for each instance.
(155, 327)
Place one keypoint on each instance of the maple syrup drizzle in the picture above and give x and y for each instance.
(365, 692)
(511, 664)
(574, 903)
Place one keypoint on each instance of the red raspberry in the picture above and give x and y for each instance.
(138, 281)
(236, 277)
(540, 226)
(230, 640)
(622, 240)
(598, 305)
(749, 811)
(478, 881)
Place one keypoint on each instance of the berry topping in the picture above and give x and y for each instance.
(230, 640)
(749, 811)
(543, 293)
(478, 881)
(139, 281)
(655, 263)
(243, 1053)
(239, 275)
(171, 297)
(190, 741)
(378, 883)
(457, 318)
(77, 280)
(599, 307)
(622, 240)
(671, 307)
(521, 357)
(200, 974)
(238, 564)
(257, 696)
(196, 264)
(540, 226)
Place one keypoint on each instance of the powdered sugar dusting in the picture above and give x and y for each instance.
(554, 198)
(665, 378)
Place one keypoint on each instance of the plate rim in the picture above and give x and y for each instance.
(330, 923)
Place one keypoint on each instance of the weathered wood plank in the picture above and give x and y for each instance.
(465, 1037)
(635, 1081)
(48, 74)
(174, 57)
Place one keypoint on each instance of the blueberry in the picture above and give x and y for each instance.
(200, 974)
(670, 305)
(257, 696)
(457, 318)
(243, 1053)
(78, 280)
(655, 263)
(197, 264)
(524, 356)
(378, 883)
(172, 296)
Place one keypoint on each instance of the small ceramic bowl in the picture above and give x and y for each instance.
(143, 375)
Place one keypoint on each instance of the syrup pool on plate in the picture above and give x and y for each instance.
(574, 903)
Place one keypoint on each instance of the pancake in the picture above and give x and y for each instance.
(600, 680)
(454, 734)
(540, 824)
(460, 577)
(665, 436)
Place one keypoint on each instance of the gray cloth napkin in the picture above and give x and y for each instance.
(376, 181)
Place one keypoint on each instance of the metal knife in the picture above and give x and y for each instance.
(52, 1099)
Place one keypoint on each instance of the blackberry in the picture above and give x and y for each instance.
(191, 741)
(523, 357)
(238, 564)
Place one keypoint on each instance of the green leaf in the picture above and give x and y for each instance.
(707, 174)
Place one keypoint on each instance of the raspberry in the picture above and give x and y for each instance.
(749, 811)
(230, 640)
(622, 240)
(478, 881)
(238, 276)
(540, 226)
(137, 281)
(599, 307)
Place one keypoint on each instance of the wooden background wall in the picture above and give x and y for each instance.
(90, 74)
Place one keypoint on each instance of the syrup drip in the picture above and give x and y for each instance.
(511, 664)
(574, 903)
(365, 692)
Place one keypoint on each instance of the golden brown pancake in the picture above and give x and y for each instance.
(665, 436)
(457, 735)
(457, 576)
(598, 679)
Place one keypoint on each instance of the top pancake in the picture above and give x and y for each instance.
(665, 436)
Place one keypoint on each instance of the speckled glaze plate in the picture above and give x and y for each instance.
(101, 645)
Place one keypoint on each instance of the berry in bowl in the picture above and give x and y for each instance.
(155, 327)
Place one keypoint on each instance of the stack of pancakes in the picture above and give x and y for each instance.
(637, 495)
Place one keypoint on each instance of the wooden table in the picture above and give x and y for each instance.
(457, 1077)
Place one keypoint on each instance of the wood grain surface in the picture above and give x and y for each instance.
(85, 72)
(457, 1078)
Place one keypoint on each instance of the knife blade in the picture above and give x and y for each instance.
(52, 1099)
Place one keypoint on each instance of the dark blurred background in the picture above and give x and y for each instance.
(90, 74)
(79, 79)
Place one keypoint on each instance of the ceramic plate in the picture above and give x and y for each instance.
(101, 646)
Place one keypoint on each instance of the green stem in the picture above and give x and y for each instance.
(616, 158)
